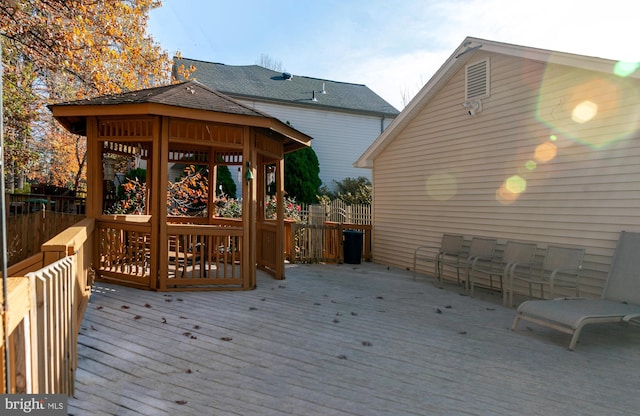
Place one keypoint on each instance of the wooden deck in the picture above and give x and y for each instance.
(342, 340)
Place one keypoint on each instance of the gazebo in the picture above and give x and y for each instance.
(164, 232)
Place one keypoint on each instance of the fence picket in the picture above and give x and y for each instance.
(318, 237)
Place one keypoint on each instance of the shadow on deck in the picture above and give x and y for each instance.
(341, 340)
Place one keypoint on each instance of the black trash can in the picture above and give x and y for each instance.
(352, 246)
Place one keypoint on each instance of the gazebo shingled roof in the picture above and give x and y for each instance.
(188, 95)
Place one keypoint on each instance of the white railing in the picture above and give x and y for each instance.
(337, 211)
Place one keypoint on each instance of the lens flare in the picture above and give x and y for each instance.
(585, 111)
(511, 189)
(624, 69)
(504, 196)
(530, 165)
(594, 109)
(545, 152)
(442, 186)
(516, 184)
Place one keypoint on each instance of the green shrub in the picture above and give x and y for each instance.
(301, 175)
(350, 191)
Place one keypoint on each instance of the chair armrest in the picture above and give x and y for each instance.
(481, 258)
(571, 272)
(566, 270)
(420, 248)
(473, 260)
(510, 268)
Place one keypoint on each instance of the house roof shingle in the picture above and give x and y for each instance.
(256, 82)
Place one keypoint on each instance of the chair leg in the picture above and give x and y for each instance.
(467, 283)
(574, 337)
(472, 283)
(515, 322)
(511, 292)
(507, 297)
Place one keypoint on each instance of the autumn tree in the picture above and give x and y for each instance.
(62, 50)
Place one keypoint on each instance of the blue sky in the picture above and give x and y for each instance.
(392, 46)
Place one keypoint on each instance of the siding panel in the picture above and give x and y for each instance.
(338, 138)
(442, 173)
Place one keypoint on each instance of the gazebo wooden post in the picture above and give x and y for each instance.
(213, 179)
(279, 272)
(160, 174)
(93, 201)
(249, 218)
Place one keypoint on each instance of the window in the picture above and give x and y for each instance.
(477, 80)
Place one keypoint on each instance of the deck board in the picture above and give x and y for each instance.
(341, 340)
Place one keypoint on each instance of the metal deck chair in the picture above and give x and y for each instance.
(560, 268)
(516, 255)
(481, 252)
(450, 250)
(620, 300)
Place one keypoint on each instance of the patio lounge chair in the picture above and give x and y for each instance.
(560, 268)
(620, 300)
(450, 251)
(516, 255)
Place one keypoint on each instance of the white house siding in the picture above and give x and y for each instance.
(583, 197)
(339, 138)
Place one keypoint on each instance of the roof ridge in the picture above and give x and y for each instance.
(330, 80)
(198, 60)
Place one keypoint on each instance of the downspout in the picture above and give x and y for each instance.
(3, 228)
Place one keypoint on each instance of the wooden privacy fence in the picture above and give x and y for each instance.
(322, 243)
(28, 231)
(24, 203)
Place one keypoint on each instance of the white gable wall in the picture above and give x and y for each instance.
(338, 138)
(443, 172)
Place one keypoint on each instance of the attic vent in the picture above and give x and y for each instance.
(477, 80)
(287, 75)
